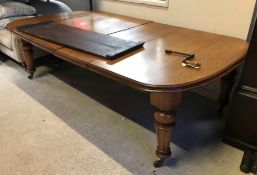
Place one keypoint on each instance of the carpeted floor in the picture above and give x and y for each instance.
(71, 121)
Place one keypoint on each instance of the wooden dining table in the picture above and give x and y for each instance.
(149, 68)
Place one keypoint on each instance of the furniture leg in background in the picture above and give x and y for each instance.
(249, 162)
(165, 121)
(254, 164)
(227, 83)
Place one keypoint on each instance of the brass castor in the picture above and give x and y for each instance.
(30, 76)
(158, 163)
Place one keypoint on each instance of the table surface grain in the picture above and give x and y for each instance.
(148, 68)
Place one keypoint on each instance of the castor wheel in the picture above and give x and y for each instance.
(158, 163)
(30, 76)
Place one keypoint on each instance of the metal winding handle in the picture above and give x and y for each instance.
(192, 64)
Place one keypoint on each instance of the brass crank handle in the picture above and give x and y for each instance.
(191, 64)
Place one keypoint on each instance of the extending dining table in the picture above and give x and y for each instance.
(153, 68)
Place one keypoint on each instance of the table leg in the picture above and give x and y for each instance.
(165, 118)
(227, 83)
(27, 52)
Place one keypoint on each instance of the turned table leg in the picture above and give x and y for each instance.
(27, 52)
(227, 83)
(165, 118)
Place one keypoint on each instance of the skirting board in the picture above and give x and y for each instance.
(238, 144)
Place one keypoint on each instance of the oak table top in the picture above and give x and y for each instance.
(148, 68)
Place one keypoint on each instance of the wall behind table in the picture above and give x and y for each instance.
(77, 4)
(227, 17)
